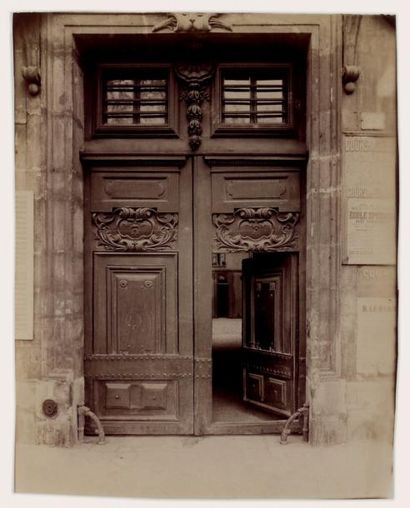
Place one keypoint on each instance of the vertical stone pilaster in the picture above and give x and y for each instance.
(328, 421)
(47, 162)
(29, 167)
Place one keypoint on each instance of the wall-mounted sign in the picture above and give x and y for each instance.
(369, 207)
(24, 265)
(376, 335)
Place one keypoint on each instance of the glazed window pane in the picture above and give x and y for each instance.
(254, 97)
(135, 101)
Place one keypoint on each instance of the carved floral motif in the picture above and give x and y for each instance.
(255, 229)
(192, 22)
(135, 229)
(195, 78)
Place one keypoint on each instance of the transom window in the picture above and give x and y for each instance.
(141, 100)
(254, 100)
(254, 97)
(133, 100)
(136, 100)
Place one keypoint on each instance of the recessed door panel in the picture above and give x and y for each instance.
(135, 300)
(267, 315)
(270, 332)
(141, 399)
(139, 323)
(139, 359)
(144, 188)
(249, 187)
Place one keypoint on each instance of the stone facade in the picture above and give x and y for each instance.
(351, 291)
(368, 291)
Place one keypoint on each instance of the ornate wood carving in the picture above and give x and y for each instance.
(192, 22)
(136, 229)
(255, 229)
(277, 354)
(285, 372)
(195, 78)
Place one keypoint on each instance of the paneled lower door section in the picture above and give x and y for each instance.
(193, 304)
(139, 359)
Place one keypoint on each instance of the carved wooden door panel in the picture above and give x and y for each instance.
(138, 363)
(270, 292)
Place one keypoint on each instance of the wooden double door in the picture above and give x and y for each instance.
(158, 209)
(154, 225)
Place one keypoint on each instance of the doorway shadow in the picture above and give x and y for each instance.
(228, 405)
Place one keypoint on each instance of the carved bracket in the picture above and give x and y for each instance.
(136, 229)
(195, 79)
(27, 32)
(31, 75)
(255, 229)
(350, 75)
(351, 71)
(192, 22)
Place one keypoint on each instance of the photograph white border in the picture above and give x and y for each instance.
(7, 398)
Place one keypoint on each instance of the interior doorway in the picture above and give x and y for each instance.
(253, 349)
(228, 404)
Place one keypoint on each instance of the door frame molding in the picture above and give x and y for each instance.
(61, 210)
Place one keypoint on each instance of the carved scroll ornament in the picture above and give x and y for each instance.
(192, 22)
(255, 229)
(136, 229)
(195, 78)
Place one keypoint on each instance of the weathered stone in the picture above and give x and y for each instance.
(376, 281)
(49, 135)
(376, 337)
(328, 430)
(370, 409)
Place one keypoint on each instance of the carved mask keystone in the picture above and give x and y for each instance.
(192, 22)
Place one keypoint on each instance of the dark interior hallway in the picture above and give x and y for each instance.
(227, 374)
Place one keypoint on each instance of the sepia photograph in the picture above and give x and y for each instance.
(205, 249)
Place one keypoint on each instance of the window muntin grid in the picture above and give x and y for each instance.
(255, 97)
(135, 100)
